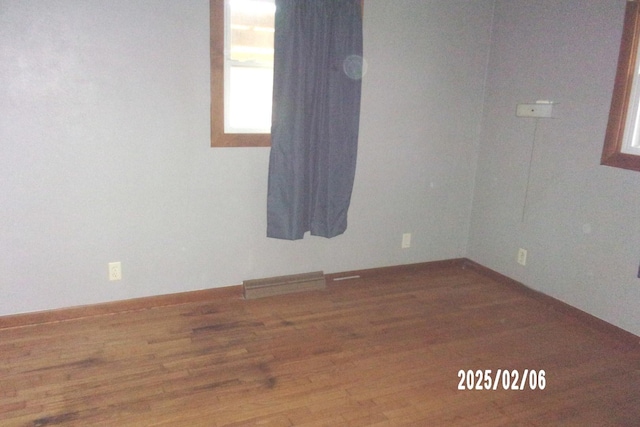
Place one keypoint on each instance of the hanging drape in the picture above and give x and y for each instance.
(316, 110)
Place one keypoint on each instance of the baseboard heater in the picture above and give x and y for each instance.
(260, 288)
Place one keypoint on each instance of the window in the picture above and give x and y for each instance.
(241, 72)
(622, 139)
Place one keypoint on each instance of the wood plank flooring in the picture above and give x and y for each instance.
(377, 351)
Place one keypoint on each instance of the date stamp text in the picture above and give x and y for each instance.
(502, 379)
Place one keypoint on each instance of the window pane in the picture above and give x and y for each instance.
(250, 104)
(249, 66)
(252, 27)
(631, 136)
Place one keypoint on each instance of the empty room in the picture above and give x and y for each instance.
(319, 213)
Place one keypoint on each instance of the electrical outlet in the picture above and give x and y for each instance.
(522, 256)
(406, 240)
(115, 271)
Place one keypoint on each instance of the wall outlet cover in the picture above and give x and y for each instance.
(406, 240)
(115, 271)
(522, 256)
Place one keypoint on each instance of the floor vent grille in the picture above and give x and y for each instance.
(260, 288)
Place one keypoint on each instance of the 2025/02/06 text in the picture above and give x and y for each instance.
(505, 379)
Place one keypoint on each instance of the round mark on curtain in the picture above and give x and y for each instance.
(354, 67)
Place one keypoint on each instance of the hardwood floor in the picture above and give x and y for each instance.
(382, 350)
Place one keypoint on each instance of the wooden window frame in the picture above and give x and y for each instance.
(216, 46)
(612, 154)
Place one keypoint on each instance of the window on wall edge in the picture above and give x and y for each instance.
(622, 139)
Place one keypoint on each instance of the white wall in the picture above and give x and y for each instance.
(104, 151)
(580, 223)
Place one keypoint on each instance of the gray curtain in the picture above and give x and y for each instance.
(316, 111)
